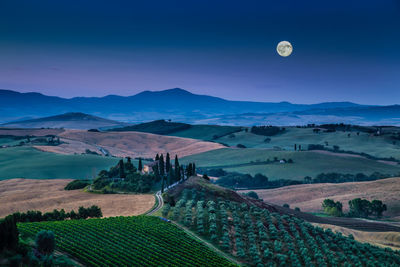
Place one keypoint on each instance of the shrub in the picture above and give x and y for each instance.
(45, 242)
(76, 184)
(252, 194)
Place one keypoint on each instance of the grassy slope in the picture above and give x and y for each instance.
(206, 132)
(378, 146)
(27, 162)
(305, 163)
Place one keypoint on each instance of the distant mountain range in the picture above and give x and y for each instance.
(181, 105)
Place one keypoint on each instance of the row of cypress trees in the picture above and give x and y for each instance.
(170, 175)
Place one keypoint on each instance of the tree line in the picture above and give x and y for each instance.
(267, 130)
(240, 180)
(57, 215)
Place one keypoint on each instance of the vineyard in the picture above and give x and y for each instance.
(261, 238)
(127, 241)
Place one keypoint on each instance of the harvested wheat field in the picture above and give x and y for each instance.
(137, 144)
(382, 239)
(119, 144)
(309, 197)
(46, 195)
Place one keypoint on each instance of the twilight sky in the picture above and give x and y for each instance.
(343, 50)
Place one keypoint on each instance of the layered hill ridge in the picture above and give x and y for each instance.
(181, 105)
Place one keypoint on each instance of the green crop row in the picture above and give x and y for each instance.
(127, 241)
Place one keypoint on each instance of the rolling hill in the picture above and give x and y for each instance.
(305, 163)
(309, 197)
(71, 120)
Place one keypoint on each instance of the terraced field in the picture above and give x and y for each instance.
(127, 241)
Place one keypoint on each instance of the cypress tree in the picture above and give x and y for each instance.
(140, 166)
(167, 163)
(182, 169)
(170, 177)
(162, 185)
(161, 165)
(177, 170)
(189, 170)
(194, 169)
(121, 169)
(128, 159)
(157, 157)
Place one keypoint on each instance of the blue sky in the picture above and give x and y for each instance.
(343, 50)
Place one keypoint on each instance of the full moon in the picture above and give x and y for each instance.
(284, 48)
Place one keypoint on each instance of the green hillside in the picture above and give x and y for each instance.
(305, 163)
(127, 241)
(27, 162)
(383, 146)
(207, 132)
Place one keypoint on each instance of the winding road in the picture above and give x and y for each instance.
(160, 203)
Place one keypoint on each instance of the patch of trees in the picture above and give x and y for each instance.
(238, 180)
(364, 208)
(332, 208)
(77, 184)
(358, 207)
(267, 130)
(57, 215)
(124, 177)
(155, 127)
(240, 146)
